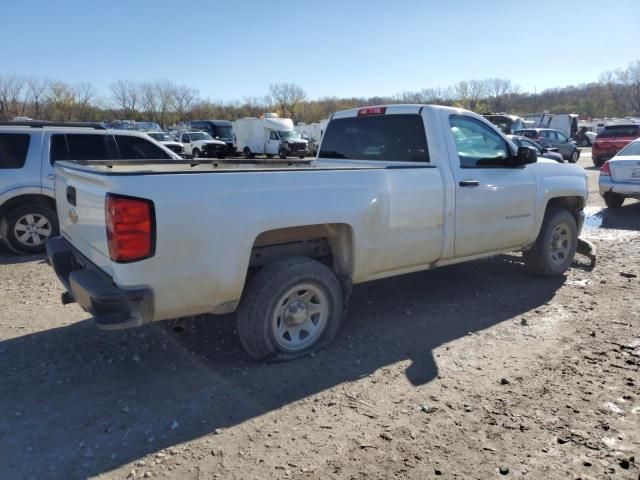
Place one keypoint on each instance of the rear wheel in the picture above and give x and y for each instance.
(26, 229)
(584, 142)
(613, 200)
(247, 152)
(282, 154)
(574, 156)
(290, 308)
(555, 247)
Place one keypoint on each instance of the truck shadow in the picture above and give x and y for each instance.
(78, 402)
(7, 257)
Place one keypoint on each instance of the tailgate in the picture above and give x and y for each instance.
(80, 201)
(625, 170)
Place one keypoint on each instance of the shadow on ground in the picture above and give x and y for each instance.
(78, 402)
(626, 217)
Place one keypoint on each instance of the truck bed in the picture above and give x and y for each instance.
(145, 166)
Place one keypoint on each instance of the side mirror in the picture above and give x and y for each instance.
(525, 156)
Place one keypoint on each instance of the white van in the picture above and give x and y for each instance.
(270, 136)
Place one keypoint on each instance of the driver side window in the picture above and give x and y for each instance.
(478, 145)
(273, 136)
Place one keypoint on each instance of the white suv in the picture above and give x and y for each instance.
(28, 151)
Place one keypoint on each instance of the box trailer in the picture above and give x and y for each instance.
(269, 135)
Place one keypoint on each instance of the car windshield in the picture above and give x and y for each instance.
(620, 131)
(224, 133)
(160, 137)
(630, 150)
(200, 136)
(288, 134)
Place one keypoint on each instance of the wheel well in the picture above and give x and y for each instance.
(572, 204)
(24, 200)
(330, 243)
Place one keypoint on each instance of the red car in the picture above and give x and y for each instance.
(611, 140)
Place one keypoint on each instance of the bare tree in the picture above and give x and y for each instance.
(287, 97)
(498, 91)
(61, 101)
(629, 86)
(84, 95)
(11, 89)
(125, 94)
(183, 100)
(37, 89)
(149, 100)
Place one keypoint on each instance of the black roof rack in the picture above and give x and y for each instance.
(43, 123)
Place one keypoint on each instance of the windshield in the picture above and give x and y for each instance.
(288, 134)
(631, 149)
(225, 133)
(200, 136)
(160, 137)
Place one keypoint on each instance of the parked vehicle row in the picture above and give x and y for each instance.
(270, 136)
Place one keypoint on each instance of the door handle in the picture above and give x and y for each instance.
(469, 183)
(51, 176)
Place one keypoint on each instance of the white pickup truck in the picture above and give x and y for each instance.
(394, 189)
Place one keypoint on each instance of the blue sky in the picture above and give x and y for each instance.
(233, 48)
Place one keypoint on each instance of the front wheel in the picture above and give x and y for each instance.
(584, 142)
(26, 229)
(555, 247)
(195, 153)
(282, 154)
(613, 200)
(290, 308)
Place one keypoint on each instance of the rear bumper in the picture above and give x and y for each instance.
(111, 307)
(606, 184)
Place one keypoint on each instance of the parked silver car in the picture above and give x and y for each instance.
(620, 176)
(28, 151)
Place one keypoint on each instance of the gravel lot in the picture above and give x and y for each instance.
(470, 371)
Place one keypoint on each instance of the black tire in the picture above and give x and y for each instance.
(301, 157)
(540, 260)
(247, 152)
(598, 162)
(282, 154)
(613, 200)
(17, 215)
(221, 156)
(584, 143)
(269, 156)
(195, 153)
(575, 155)
(256, 316)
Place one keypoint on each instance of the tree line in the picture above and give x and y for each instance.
(615, 94)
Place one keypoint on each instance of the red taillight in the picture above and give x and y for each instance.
(130, 228)
(371, 111)
(605, 170)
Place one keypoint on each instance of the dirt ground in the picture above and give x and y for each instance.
(472, 371)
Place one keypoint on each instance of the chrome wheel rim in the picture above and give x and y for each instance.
(32, 230)
(560, 245)
(196, 154)
(300, 317)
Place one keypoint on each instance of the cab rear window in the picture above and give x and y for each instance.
(390, 138)
(13, 150)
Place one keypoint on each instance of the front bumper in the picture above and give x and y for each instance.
(629, 189)
(111, 307)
